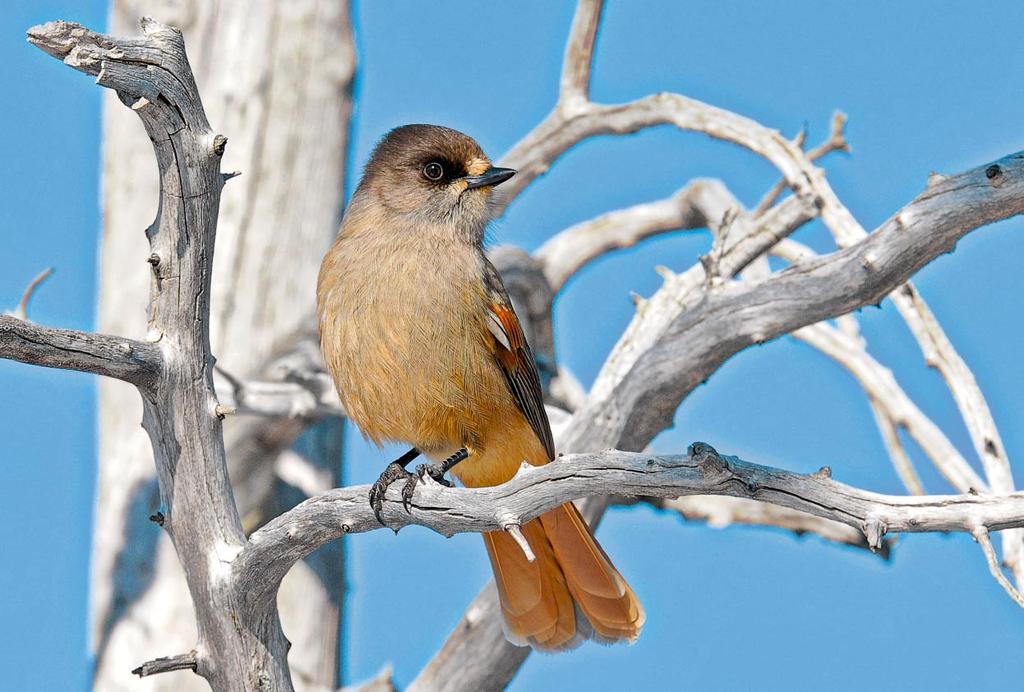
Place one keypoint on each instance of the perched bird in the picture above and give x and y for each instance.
(421, 339)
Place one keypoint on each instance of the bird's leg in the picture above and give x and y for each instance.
(435, 471)
(394, 471)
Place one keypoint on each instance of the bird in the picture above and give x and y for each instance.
(425, 348)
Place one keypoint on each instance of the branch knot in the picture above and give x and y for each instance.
(708, 460)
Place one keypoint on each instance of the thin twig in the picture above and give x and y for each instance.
(513, 529)
(981, 535)
(167, 664)
(21, 312)
(835, 142)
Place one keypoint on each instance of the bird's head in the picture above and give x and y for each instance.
(431, 175)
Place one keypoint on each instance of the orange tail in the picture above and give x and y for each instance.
(571, 592)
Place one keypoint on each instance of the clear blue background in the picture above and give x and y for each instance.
(928, 86)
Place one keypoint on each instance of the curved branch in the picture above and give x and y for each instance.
(701, 471)
(646, 382)
(569, 251)
(133, 361)
(21, 312)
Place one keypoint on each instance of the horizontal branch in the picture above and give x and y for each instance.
(136, 362)
(167, 664)
(702, 471)
(721, 511)
(572, 122)
(692, 207)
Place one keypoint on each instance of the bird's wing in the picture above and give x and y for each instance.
(515, 359)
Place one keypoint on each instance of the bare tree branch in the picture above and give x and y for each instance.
(124, 359)
(885, 392)
(535, 490)
(835, 142)
(939, 353)
(569, 251)
(692, 332)
(276, 77)
(536, 152)
(21, 312)
(574, 88)
(167, 664)
(721, 511)
(310, 399)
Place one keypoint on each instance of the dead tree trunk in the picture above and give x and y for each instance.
(277, 77)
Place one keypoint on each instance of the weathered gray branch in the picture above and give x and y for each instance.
(692, 346)
(167, 664)
(239, 648)
(276, 77)
(702, 471)
(310, 398)
(567, 252)
(721, 511)
(888, 399)
(124, 359)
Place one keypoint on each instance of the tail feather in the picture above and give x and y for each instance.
(605, 598)
(539, 613)
(571, 591)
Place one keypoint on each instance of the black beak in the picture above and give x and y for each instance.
(493, 176)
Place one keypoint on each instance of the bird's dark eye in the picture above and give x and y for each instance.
(433, 171)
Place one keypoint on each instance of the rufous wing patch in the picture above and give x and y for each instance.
(516, 361)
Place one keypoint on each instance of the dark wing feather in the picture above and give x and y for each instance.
(515, 359)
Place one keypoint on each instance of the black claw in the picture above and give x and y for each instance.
(435, 471)
(409, 488)
(394, 471)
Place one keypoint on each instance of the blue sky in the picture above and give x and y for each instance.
(927, 85)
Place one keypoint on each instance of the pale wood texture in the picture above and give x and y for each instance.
(275, 77)
(237, 648)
